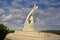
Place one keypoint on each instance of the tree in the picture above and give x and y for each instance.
(3, 31)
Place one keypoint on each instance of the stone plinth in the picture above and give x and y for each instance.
(22, 35)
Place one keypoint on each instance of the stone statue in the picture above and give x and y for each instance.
(29, 22)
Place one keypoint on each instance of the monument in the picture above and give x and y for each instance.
(29, 33)
(29, 22)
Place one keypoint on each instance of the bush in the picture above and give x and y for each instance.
(3, 31)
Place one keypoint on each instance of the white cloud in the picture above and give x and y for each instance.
(2, 11)
(17, 21)
(6, 18)
(5, 23)
(21, 14)
(19, 11)
(15, 4)
(50, 15)
(3, 16)
(39, 22)
(15, 14)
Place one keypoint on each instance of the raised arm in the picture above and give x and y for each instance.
(32, 11)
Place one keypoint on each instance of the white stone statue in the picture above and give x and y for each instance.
(29, 22)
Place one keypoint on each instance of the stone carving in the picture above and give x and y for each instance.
(29, 22)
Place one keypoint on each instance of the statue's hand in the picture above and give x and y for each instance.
(35, 7)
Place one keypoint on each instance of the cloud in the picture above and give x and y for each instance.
(39, 22)
(14, 15)
(17, 21)
(6, 18)
(4, 3)
(16, 5)
(2, 11)
(15, 12)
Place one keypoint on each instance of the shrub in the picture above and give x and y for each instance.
(3, 31)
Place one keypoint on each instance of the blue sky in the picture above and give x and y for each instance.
(14, 12)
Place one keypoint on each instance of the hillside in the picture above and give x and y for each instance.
(52, 31)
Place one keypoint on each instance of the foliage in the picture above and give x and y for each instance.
(3, 31)
(52, 31)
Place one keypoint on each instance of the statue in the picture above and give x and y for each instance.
(29, 22)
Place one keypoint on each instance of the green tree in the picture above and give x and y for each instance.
(3, 31)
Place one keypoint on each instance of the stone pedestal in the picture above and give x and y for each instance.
(23, 35)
